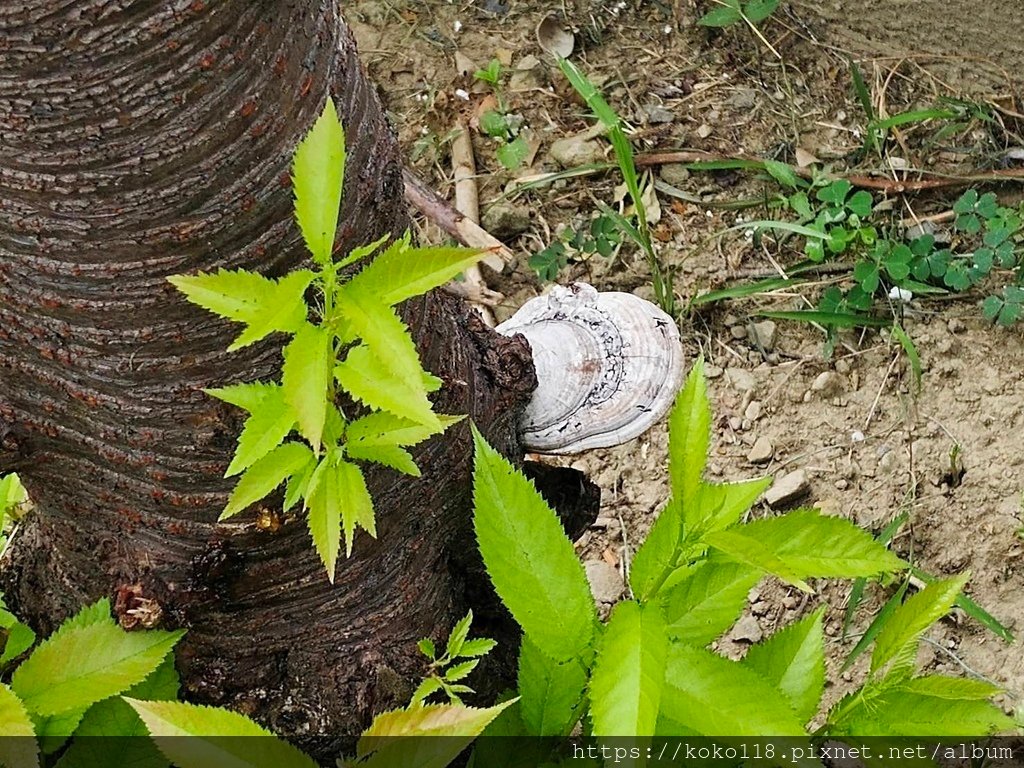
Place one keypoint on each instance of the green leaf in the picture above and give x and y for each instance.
(318, 174)
(782, 173)
(912, 355)
(628, 676)
(388, 455)
(249, 397)
(512, 154)
(817, 545)
(689, 436)
(530, 560)
(455, 726)
(18, 748)
(742, 548)
(720, 17)
(20, 636)
(943, 687)
(284, 309)
(493, 123)
(704, 604)
(880, 620)
(339, 500)
(834, 319)
(401, 272)
(370, 380)
(266, 474)
(902, 712)
(264, 431)
(860, 204)
(550, 691)
(656, 557)
(298, 483)
(79, 666)
(305, 377)
(721, 505)
(793, 660)
(213, 737)
(478, 646)
(835, 192)
(458, 635)
(759, 10)
(388, 429)
(717, 697)
(237, 295)
(911, 619)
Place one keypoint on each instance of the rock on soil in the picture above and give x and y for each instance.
(787, 488)
(762, 451)
(605, 581)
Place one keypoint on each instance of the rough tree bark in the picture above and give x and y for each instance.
(141, 139)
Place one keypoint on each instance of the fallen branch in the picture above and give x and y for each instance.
(891, 186)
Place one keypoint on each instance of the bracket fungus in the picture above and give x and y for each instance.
(609, 365)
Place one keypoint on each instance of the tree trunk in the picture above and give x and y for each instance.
(142, 139)
(975, 46)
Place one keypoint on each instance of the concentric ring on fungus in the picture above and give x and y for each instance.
(608, 365)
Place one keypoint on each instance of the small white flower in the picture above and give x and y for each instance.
(457, 26)
(668, 29)
(900, 294)
(462, 94)
(857, 437)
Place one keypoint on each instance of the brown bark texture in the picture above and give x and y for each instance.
(142, 139)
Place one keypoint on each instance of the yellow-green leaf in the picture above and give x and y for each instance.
(305, 377)
(237, 295)
(266, 474)
(18, 748)
(387, 429)
(356, 504)
(689, 430)
(216, 738)
(248, 397)
(264, 430)
(325, 514)
(368, 379)
(388, 455)
(318, 174)
(284, 309)
(401, 272)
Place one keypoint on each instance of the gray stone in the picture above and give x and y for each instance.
(740, 380)
(504, 221)
(761, 452)
(577, 150)
(828, 384)
(658, 114)
(787, 488)
(675, 174)
(765, 333)
(713, 372)
(738, 332)
(605, 581)
(747, 630)
(753, 410)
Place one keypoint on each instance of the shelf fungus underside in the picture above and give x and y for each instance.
(608, 365)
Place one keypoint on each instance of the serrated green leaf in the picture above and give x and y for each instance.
(704, 604)
(529, 558)
(629, 673)
(742, 548)
(424, 690)
(20, 638)
(550, 691)
(368, 378)
(458, 635)
(721, 505)
(213, 737)
(457, 725)
(478, 646)
(401, 272)
(18, 747)
(460, 671)
(813, 545)
(793, 660)
(305, 376)
(263, 431)
(266, 474)
(902, 712)
(689, 435)
(248, 397)
(910, 620)
(656, 557)
(512, 154)
(238, 295)
(942, 687)
(283, 310)
(717, 697)
(426, 646)
(78, 667)
(298, 483)
(53, 731)
(318, 174)
(388, 455)
(387, 429)
(759, 10)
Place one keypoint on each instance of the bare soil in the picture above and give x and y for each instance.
(870, 447)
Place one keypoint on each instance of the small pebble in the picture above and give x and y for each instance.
(738, 332)
(762, 451)
(753, 411)
(747, 630)
(787, 488)
(605, 581)
(828, 384)
(764, 335)
(740, 380)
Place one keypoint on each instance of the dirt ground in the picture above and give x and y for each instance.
(869, 448)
